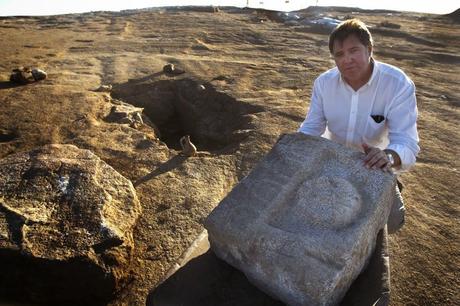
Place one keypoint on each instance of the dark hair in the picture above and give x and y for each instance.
(351, 27)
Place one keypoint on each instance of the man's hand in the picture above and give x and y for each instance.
(376, 158)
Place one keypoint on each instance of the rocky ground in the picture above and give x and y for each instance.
(248, 78)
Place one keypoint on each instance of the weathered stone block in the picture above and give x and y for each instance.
(66, 222)
(303, 223)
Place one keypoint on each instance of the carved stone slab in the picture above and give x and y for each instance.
(303, 223)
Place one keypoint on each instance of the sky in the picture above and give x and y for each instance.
(51, 7)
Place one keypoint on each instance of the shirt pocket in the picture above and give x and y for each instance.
(375, 133)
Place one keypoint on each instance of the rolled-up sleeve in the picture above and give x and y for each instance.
(315, 121)
(402, 126)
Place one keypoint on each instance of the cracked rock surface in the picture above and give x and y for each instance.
(64, 212)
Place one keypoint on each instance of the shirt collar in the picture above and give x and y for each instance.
(374, 71)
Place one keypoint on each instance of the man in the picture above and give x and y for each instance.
(366, 105)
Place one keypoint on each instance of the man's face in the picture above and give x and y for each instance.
(353, 59)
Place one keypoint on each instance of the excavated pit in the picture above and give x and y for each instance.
(215, 121)
(8, 135)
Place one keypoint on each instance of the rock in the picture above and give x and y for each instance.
(304, 222)
(104, 88)
(125, 113)
(25, 75)
(168, 68)
(22, 75)
(39, 74)
(66, 222)
(171, 69)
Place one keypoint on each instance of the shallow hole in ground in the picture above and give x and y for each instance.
(8, 135)
(215, 121)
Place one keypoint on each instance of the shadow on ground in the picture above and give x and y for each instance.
(163, 168)
(8, 84)
(207, 280)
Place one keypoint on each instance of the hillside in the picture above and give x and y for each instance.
(249, 76)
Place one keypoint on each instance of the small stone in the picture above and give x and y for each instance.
(104, 88)
(125, 113)
(168, 68)
(171, 69)
(22, 75)
(39, 74)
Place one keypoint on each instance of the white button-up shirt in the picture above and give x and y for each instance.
(341, 114)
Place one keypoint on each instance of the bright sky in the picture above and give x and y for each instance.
(50, 7)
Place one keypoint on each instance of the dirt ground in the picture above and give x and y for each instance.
(256, 74)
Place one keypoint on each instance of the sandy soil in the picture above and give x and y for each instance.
(257, 73)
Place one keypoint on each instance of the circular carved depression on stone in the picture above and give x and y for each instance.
(327, 202)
